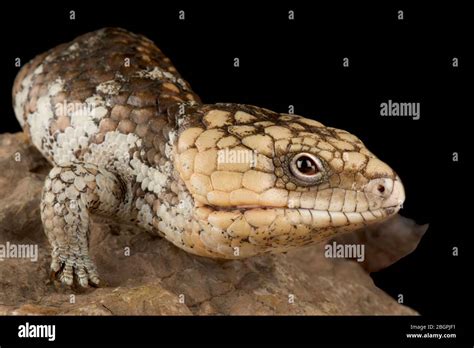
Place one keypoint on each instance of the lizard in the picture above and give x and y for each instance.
(129, 140)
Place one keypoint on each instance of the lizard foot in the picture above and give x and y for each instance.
(73, 269)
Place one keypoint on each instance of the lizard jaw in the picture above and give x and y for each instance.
(380, 205)
(256, 229)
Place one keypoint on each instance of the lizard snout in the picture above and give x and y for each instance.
(389, 190)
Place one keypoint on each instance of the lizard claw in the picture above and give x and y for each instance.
(71, 268)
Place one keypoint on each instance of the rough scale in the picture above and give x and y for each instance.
(129, 140)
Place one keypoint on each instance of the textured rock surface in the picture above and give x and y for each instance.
(156, 278)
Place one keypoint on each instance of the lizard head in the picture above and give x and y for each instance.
(267, 182)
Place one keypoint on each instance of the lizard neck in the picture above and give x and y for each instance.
(162, 202)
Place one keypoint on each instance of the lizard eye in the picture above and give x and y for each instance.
(307, 168)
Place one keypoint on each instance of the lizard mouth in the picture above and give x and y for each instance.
(343, 217)
(381, 197)
(255, 228)
(260, 216)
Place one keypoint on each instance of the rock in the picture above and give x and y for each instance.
(160, 279)
(387, 242)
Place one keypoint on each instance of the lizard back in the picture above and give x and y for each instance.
(78, 100)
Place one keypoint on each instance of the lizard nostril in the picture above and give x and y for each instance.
(381, 188)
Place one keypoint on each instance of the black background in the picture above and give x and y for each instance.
(299, 62)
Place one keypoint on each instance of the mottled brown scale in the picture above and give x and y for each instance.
(141, 104)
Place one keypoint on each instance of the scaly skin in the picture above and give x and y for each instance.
(130, 140)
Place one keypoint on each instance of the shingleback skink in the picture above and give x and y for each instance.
(129, 140)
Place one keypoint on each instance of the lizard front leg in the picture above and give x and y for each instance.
(71, 194)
